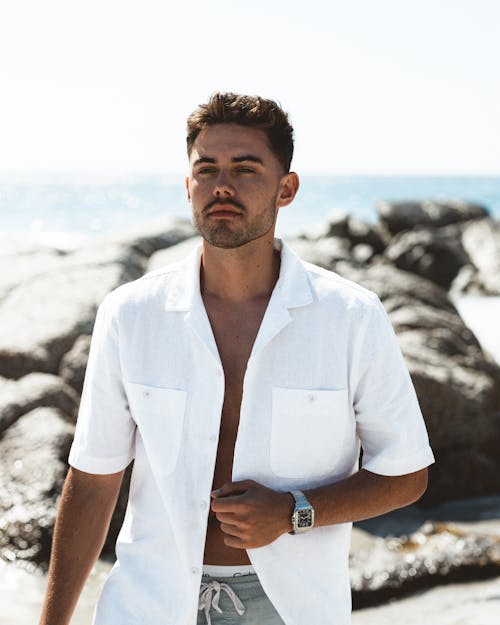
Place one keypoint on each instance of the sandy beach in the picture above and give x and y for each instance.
(22, 593)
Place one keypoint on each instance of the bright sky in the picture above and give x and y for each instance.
(372, 86)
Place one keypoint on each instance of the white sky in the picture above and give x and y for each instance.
(372, 86)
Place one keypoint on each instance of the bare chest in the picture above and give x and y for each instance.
(235, 336)
(234, 332)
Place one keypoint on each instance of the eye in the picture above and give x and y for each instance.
(246, 170)
(206, 170)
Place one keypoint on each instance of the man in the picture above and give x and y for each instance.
(243, 382)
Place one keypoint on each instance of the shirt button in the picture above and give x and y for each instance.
(213, 438)
(203, 505)
(219, 373)
(311, 397)
(194, 570)
(146, 393)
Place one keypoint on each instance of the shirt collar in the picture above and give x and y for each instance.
(292, 287)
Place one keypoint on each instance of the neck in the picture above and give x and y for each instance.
(239, 275)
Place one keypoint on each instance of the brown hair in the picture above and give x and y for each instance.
(246, 110)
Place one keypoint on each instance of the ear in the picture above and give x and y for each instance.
(289, 186)
(187, 189)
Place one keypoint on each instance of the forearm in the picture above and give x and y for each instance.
(364, 495)
(79, 534)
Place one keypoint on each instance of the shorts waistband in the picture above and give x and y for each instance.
(216, 570)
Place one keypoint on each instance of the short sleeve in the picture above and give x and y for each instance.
(104, 439)
(389, 422)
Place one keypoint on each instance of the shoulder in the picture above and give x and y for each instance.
(148, 291)
(332, 289)
(350, 306)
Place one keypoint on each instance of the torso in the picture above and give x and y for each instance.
(235, 332)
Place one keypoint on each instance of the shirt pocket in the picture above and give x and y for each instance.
(307, 431)
(159, 415)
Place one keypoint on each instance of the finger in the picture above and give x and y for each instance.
(233, 487)
(231, 530)
(227, 504)
(227, 517)
(233, 541)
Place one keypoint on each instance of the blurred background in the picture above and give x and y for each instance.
(95, 97)
(397, 142)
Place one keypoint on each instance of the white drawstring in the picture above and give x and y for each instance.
(208, 589)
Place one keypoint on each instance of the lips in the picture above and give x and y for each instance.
(222, 210)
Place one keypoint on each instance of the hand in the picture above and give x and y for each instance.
(250, 514)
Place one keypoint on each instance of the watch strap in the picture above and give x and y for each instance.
(300, 499)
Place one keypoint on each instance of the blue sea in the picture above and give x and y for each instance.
(73, 211)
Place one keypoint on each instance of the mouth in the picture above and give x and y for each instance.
(223, 210)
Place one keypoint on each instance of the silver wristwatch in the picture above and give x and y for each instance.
(303, 513)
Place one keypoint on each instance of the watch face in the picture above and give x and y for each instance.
(304, 518)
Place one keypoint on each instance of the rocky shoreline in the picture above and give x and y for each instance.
(417, 258)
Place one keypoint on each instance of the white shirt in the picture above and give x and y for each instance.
(325, 374)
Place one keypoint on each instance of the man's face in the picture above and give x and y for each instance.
(234, 186)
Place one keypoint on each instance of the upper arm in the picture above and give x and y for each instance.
(98, 489)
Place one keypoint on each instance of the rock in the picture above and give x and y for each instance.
(325, 252)
(154, 235)
(467, 282)
(360, 232)
(173, 254)
(341, 225)
(472, 603)
(32, 391)
(74, 363)
(476, 514)
(18, 265)
(56, 302)
(33, 466)
(406, 215)
(435, 553)
(363, 253)
(337, 225)
(396, 288)
(428, 254)
(481, 241)
(43, 318)
(413, 548)
(33, 455)
(458, 464)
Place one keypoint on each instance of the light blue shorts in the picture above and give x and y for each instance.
(235, 601)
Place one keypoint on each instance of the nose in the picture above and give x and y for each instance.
(223, 187)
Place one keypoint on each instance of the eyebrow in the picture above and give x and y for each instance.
(236, 159)
(247, 157)
(203, 159)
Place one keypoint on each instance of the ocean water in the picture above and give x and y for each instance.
(75, 210)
